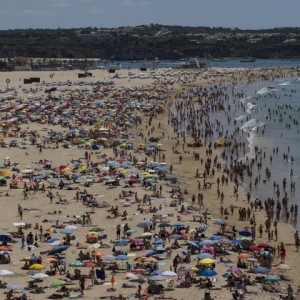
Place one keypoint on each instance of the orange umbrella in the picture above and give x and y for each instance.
(98, 254)
(51, 259)
(243, 256)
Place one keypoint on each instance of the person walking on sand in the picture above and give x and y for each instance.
(82, 284)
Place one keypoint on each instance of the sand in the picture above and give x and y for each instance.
(37, 206)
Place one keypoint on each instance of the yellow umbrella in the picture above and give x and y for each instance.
(5, 172)
(36, 267)
(93, 247)
(92, 233)
(207, 261)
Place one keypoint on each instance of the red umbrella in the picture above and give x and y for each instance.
(16, 180)
(255, 248)
(264, 245)
(89, 264)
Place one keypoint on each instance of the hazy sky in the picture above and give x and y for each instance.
(114, 13)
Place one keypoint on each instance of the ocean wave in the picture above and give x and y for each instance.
(252, 124)
(285, 83)
(241, 117)
(251, 107)
(266, 90)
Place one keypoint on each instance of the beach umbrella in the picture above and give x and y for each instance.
(164, 225)
(71, 227)
(245, 233)
(121, 243)
(93, 247)
(220, 222)
(261, 270)
(192, 243)
(5, 238)
(243, 256)
(122, 257)
(52, 240)
(51, 230)
(169, 273)
(40, 276)
(204, 255)
(283, 267)
(208, 249)
(252, 259)
(264, 245)
(150, 253)
(207, 242)
(97, 229)
(235, 271)
(89, 264)
(255, 248)
(157, 278)
(215, 237)
(159, 249)
(57, 249)
(144, 224)
(207, 261)
(109, 258)
(76, 264)
(178, 224)
(57, 282)
(175, 236)
(4, 252)
(157, 272)
(6, 273)
(130, 231)
(182, 250)
(202, 228)
(36, 267)
(273, 278)
(67, 231)
(208, 273)
(15, 287)
(224, 241)
(158, 242)
(146, 235)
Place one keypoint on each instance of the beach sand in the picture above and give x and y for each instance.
(37, 207)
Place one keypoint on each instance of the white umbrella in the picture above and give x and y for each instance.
(93, 247)
(6, 273)
(40, 276)
(72, 227)
(168, 273)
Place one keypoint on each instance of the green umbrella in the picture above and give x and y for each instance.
(57, 283)
(76, 264)
(2, 178)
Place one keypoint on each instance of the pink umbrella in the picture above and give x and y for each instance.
(208, 250)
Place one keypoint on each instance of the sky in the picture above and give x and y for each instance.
(244, 14)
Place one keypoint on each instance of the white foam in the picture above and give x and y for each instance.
(252, 125)
(285, 83)
(266, 90)
(251, 107)
(241, 117)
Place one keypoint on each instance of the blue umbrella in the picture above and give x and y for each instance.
(15, 287)
(261, 270)
(164, 225)
(208, 273)
(150, 253)
(175, 236)
(245, 233)
(67, 231)
(52, 240)
(194, 244)
(109, 257)
(204, 255)
(207, 242)
(215, 237)
(202, 228)
(227, 274)
(122, 257)
(178, 224)
(57, 249)
(121, 243)
(273, 278)
(157, 242)
(156, 272)
(144, 224)
(159, 249)
(220, 222)
(5, 238)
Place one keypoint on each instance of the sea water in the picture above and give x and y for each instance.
(269, 118)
